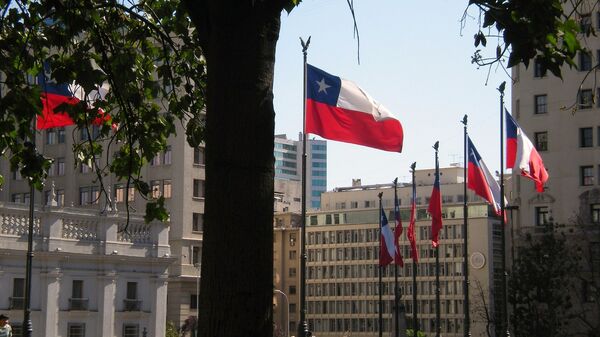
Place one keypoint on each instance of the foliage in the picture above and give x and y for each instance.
(543, 274)
(411, 333)
(535, 29)
(146, 51)
(171, 330)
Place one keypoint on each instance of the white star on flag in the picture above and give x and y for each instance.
(323, 86)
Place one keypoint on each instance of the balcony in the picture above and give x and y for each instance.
(16, 303)
(132, 305)
(80, 304)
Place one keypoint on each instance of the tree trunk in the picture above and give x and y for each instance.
(238, 40)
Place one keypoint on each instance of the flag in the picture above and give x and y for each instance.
(338, 109)
(435, 208)
(397, 231)
(386, 240)
(481, 181)
(410, 232)
(521, 155)
(56, 94)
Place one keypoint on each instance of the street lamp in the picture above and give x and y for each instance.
(287, 305)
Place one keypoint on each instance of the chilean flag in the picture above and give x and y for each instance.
(386, 240)
(435, 209)
(410, 232)
(480, 180)
(55, 94)
(397, 231)
(521, 155)
(338, 109)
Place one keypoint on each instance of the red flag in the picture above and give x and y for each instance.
(398, 230)
(410, 233)
(435, 208)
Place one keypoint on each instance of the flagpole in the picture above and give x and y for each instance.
(414, 265)
(380, 270)
(303, 326)
(396, 289)
(437, 258)
(28, 326)
(467, 322)
(502, 207)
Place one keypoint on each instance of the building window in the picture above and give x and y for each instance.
(585, 23)
(155, 160)
(167, 189)
(89, 195)
(131, 302)
(292, 272)
(155, 188)
(585, 61)
(90, 133)
(193, 301)
(60, 198)
(131, 330)
(18, 294)
(61, 135)
(586, 137)
(199, 156)
(542, 215)
(60, 166)
(595, 208)
(541, 141)
(51, 136)
(16, 197)
(292, 290)
(197, 222)
(585, 99)
(168, 155)
(26, 198)
(586, 175)
(17, 330)
(541, 105)
(198, 188)
(77, 301)
(76, 330)
(293, 255)
(538, 69)
(120, 193)
(195, 255)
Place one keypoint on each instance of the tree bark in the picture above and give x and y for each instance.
(238, 40)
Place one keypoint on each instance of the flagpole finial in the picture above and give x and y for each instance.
(413, 166)
(464, 120)
(380, 195)
(436, 146)
(305, 44)
(501, 87)
(396, 181)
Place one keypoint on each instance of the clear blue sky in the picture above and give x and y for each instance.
(414, 60)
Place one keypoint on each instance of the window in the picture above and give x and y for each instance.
(293, 255)
(17, 330)
(16, 197)
(585, 23)
(60, 166)
(89, 195)
(585, 61)
(193, 301)
(319, 156)
(132, 290)
(77, 301)
(26, 198)
(84, 168)
(541, 106)
(195, 255)
(131, 330)
(60, 198)
(198, 188)
(586, 175)
(595, 208)
(51, 137)
(155, 188)
(61, 135)
(542, 215)
(167, 156)
(541, 141)
(586, 137)
(538, 69)
(197, 222)
(76, 330)
(77, 290)
(292, 272)
(167, 188)
(585, 99)
(199, 156)
(131, 302)
(292, 290)
(120, 193)
(18, 294)
(155, 160)
(90, 133)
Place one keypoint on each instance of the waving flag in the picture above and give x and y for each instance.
(386, 240)
(435, 208)
(521, 155)
(398, 230)
(481, 180)
(56, 94)
(338, 109)
(410, 233)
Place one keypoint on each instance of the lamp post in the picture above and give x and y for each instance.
(287, 311)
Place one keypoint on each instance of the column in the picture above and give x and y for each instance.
(50, 303)
(158, 316)
(107, 287)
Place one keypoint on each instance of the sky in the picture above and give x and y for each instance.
(415, 60)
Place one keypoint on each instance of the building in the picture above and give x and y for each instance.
(288, 165)
(177, 174)
(89, 277)
(342, 266)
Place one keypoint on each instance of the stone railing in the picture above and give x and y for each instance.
(83, 231)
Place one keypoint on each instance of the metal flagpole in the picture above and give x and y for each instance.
(467, 322)
(502, 210)
(303, 325)
(437, 259)
(28, 331)
(380, 272)
(414, 264)
(396, 288)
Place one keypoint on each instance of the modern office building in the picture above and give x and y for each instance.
(288, 165)
(89, 277)
(177, 174)
(342, 267)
